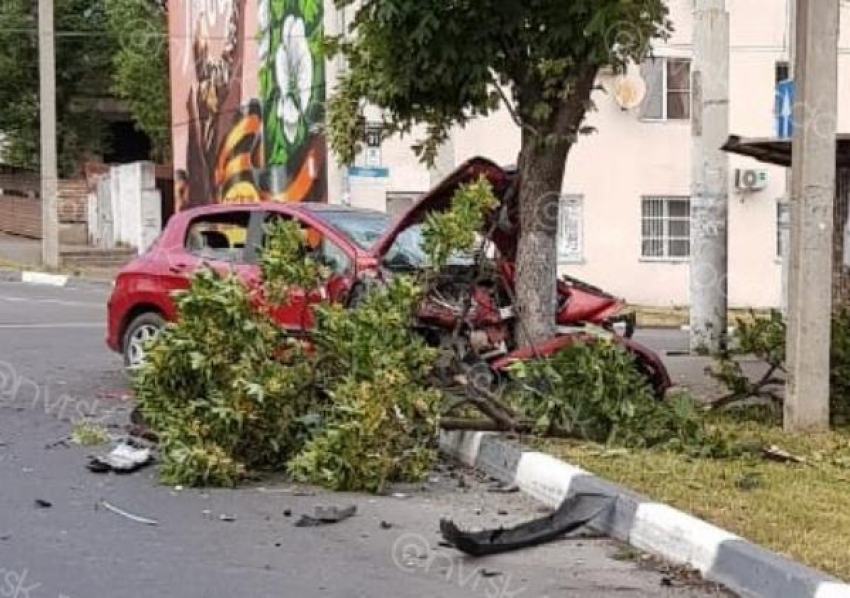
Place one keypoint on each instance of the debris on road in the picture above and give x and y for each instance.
(43, 504)
(326, 515)
(774, 453)
(226, 518)
(504, 489)
(124, 458)
(573, 513)
(386, 525)
(61, 443)
(127, 515)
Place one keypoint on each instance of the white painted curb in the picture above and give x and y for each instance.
(720, 556)
(54, 280)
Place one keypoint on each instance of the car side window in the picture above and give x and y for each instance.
(219, 237)
(322, 249)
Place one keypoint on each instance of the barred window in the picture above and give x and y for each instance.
(571, 229)
(665, 228)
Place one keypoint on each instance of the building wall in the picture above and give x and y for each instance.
(248, 93)
(628, 158)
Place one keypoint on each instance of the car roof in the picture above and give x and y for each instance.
(313, 207)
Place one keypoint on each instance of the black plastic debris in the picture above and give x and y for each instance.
(43, 504)
(573, 513)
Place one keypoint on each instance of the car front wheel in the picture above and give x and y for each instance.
(141, 331)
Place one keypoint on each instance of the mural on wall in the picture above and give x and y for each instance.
(248, 92)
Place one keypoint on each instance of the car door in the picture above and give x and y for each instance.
(217, 240)
(295, 312)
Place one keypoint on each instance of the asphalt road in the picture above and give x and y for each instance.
(54, 366)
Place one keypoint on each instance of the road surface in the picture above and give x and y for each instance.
(54, 367)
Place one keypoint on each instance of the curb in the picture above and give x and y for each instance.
(49, 279)
(720, 556)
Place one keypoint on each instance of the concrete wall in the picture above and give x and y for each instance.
(20, 207)
(629, 158)
(125, 207)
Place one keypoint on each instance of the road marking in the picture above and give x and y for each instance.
(51, 301)
(53, 280)
(56, 325)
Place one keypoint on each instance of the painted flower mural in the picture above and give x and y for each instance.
(294, 75)
(233, 146)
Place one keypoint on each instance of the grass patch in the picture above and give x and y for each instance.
(801, 510)
(89, 433)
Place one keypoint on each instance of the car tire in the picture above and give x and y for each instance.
(141, 330)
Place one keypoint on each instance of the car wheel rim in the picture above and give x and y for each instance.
(138, 341)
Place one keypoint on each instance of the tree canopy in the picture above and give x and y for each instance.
(435, 64)
(438, 63)
(104, 48)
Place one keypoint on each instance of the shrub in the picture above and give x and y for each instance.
(375, 431)
(214, 391)
(595, 391)
(764, 338)
(381, 418)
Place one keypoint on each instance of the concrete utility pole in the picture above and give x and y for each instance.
(785, 227)
(49, 174)
(338, 185)
(710, 176)
(812, 199)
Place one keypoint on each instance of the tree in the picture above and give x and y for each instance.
(435, 64)
(140, 61)
(103, 48)
(82, 72)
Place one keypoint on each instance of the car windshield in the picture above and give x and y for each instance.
(365, 228)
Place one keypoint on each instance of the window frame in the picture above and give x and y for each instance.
(329, 239)
(665, 57)
(666, 238)
(577, 199)
(211, 218)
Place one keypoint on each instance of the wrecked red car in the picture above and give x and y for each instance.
(470, 309)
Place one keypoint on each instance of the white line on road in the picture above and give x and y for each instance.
(56, 325)
(52, 301)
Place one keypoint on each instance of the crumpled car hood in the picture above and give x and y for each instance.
(439, 199)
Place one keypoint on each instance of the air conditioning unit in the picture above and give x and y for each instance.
(750, 179)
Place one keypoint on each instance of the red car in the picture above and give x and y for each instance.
(361, 247)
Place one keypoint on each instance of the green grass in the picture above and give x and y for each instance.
(799, 510)
(89, 433)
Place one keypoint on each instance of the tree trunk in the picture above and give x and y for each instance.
(542, 174)
(542, 166)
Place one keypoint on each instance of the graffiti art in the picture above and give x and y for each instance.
(248, 94)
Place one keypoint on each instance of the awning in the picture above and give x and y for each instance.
(774, 150)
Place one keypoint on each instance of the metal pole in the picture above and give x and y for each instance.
(813, 196)
(49, 175)
(785, 225)
(710, 176)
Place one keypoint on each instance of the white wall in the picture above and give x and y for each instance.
(629, 158)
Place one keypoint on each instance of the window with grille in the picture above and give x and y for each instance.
(668, 89)
(570, 229)
(665, 228)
